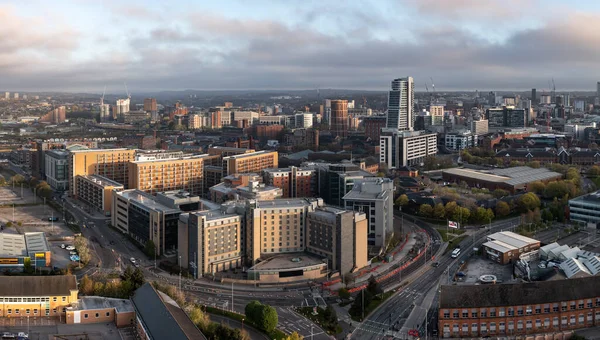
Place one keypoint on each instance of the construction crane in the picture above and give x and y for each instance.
(432, 85)
(553, 89)
(127, 91)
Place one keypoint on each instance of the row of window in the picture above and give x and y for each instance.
(522, 310)
(573, 320)
(31, 299)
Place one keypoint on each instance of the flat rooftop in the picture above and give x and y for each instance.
(101, 181)
(12, 245)
(514, 176)
(146, 200)
(175, 157)
(499, 246)
(36, 242)
(249, 154)
(216, 214)
(99, 302)
(288, 262)
(285, 202)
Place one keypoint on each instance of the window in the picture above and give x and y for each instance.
(511, 311)
(474, 313)
(107, 313)
(446, 314)
(17, 311)
(519, 310)
(27, 311)
(9, 311)
(555, 321)
(465, 313)
(555, 307)
(483, 313)
(563, 321)
(64, 298)
(581, 319)
(538, 309)
(589, 303)
(97, 315)
(35, 311)
(492, 313)
(455, 314)
(520, 325)
(538, 323)
(85, 316)
(47, 311)
(529, 325)
(528, 310)
(54, 299)
(465, 327)
(580, 305)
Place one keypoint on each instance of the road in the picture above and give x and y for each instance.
(392, 314)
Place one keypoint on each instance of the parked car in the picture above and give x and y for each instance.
(22, 335)
(435, 264)
(70, 248)
(63, 246)
(132, 260)
(52, 219)
(74, 258)
(8, 335)
(73, 252)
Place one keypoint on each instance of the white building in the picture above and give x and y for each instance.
(122, 107)
(585, 208)
(460, 140)
(401, 100)
(405, 148)
(374, 197)
(104, 112)
(57, 175)
(479, 127)
(6, 95)
(578, 130)
(303, 120)
(16, 95)
(271, 120)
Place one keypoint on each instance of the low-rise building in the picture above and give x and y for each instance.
(295, 182)
(509, 310)
(18, 249)
(56, 168)
(505, 247)
(99, 309)
(96, 191)
(460, 140)
(37, 296)
(585, 208)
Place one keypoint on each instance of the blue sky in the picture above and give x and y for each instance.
(83, 45)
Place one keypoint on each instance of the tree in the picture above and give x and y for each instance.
(547, 215)
(528, 201)
(81, 245)
(128, 273)
(533, 164)
(479, 215)
(294, 336)
(86, 285)
(357, 306)
(502, 208)
(461, 215)
(198, 317)
(536, 187)
(330, 316)
(268, 319)
(594, 171)
(499, 193)
(137, 278)
(17, 179)
(150, 249)
(425, 210)
(402, 200)
(439, 211)
(556, 189)
(373, 286)
(450, 208)
(27, 267)
(343, 293)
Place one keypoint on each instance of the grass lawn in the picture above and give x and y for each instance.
(373, 305)
(449, 233)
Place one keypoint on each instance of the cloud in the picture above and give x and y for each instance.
(348, 48)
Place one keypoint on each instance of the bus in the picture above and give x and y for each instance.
(455, 253)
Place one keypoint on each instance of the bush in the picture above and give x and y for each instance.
(262, 316)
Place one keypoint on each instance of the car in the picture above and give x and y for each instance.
(73, 252)
(8, 335)
(22, 335)
(132, 260)
(137, 265)
(63, 246)
(52, 219)
(74, 258)
(70, 248)
(435, 264)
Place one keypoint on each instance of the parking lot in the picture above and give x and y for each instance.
(60, 257)
(477, 266)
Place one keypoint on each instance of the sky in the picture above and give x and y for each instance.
(85, 45)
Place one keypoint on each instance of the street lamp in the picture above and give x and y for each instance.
(179, 272)
(242, 324)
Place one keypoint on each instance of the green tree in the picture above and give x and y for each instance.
(450, 208)
(425, 210)
(439, 211)
(556, 189)
(461, 215)
(27, 267)
(81, 244)
(499, 193)
(294, 336)
(150, 249)
(127, 273)
(357, 306)
(198, 317)
(536, 187)
(330, 316)
(252, 311)
(343, 293)
(268, 318)
(479, 215)
(137, 278)
(533, 164)
(528, 201)
(402, 200)
(547, 215)
(594, 171)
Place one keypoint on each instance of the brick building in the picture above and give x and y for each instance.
(519, 309)
(295, 182)
(373, 127)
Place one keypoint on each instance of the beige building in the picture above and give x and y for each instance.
(37, 296)
(96, 191)
(339, 235)
(250, 162)
(110, 163)
(225, 151)
(98, 309)
(211, 240)
(157, 175)
(437, 114)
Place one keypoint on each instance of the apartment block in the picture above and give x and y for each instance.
(250, 162)
(211, 240)
(405, 148)
(56, 168)
(340, 236)
(225, 151)
(110, 163)
(295, 182)
(375, 198)
(157, 175)
(96, 191)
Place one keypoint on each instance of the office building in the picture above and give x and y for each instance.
(336, 180)
(373, 126)
(303, 120)
(178, 199)
(7, 95)
(144, 218)
(110, 163)
(460, 140)
(586, 208)
(339, 118)
(211, 240)
(521, 309)
(534, 96)
(16, 95)
(293, 181)
(340, 236)
(56, 167)
(250, 162)
(405, 148)
(150, 104)
(545, 99)
(169, 173)
(479, 127)
(39, 159)
(506, 247)
(423, 121)
(96, 191)
(401, 99)
(195, 121)
(37, 296)
(375, 198)
(507, 116)
(437, 114)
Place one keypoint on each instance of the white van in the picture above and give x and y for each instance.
(455, 253)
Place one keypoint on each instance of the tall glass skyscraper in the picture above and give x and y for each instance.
(401, 104)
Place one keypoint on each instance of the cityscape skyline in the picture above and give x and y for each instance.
(234, 46)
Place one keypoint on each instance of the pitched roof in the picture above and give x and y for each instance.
(58, 285)
(474, 296)
(161, 317)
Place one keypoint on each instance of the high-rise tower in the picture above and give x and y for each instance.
(339, 118)
(400, 104)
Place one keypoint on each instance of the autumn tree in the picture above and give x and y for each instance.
(502, 208)
(425, 210)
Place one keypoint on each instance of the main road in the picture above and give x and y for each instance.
(392, 314)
